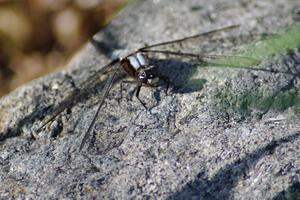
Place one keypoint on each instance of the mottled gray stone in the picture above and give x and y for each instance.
(188, 147)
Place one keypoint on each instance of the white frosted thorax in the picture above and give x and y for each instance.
(138, 60)
(134, 62)
(142, 59)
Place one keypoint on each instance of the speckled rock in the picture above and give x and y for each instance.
(194, 144)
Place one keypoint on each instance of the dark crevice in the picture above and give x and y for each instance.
(221, 185)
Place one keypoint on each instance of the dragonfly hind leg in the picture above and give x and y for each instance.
(167, 82)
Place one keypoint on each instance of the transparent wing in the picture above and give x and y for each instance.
(106, 89)
(200, 43)
(75, 95)
(212, 60)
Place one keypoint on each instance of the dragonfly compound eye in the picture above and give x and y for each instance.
(142, 76)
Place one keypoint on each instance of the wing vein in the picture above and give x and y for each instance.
(73, 97)
(205, 34)
(106, 89)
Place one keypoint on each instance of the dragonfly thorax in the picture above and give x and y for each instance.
(138, 66)
(138, 60)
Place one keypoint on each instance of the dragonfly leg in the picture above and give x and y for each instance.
(121, 92)
(167, 82)
(138, 89)
(126, 82)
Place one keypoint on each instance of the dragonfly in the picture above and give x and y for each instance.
(137, 66)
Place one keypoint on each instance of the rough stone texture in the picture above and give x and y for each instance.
(188, 147)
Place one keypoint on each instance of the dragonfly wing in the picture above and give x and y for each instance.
(208, 60)
(192, 41)
(106, 89)
(75, 95)
(230, 61)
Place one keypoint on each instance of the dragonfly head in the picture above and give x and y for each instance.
(148, 75)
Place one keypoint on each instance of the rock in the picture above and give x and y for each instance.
(215, 139)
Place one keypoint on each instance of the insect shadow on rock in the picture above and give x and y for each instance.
(137, 65)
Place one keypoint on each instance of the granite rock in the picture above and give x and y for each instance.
(190, 146)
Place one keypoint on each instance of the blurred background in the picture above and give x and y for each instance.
(38, 36)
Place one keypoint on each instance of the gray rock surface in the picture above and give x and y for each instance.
(202, 141)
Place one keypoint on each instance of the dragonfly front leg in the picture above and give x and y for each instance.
(138, 89)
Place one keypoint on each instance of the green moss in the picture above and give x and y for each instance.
(249, 101)
(254, 100)
(281, 43)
